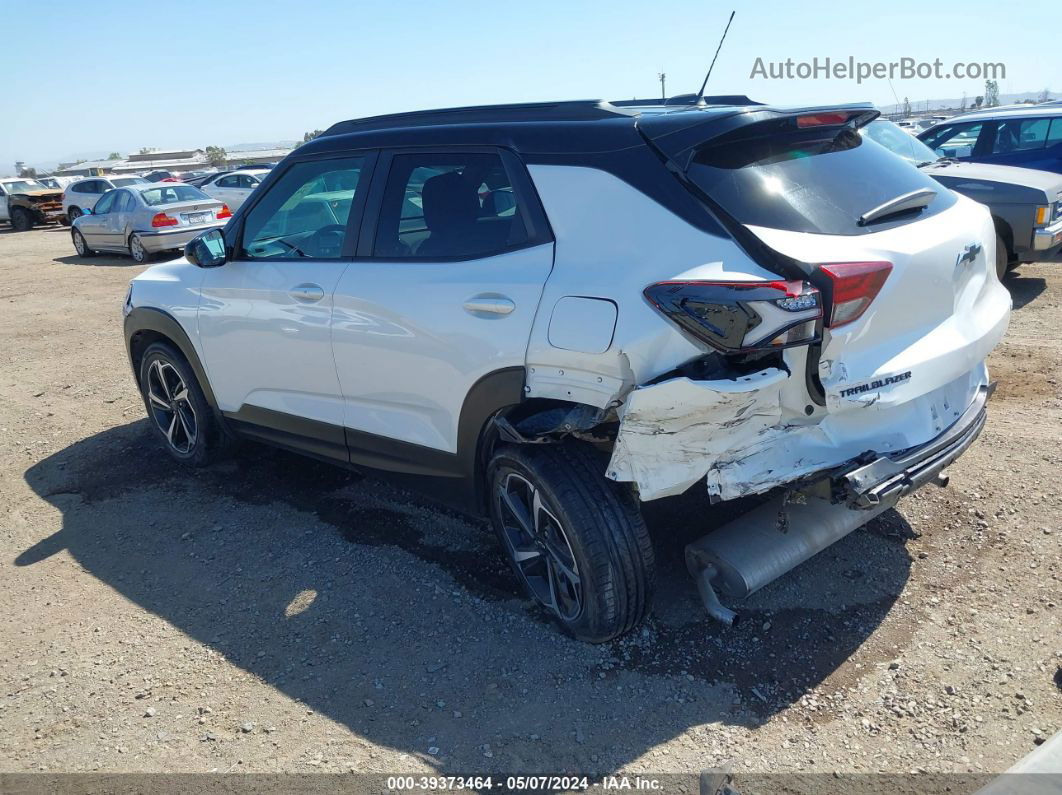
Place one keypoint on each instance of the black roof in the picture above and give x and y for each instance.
(547, 128)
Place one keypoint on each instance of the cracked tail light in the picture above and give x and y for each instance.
(740, 317)
(854, 286)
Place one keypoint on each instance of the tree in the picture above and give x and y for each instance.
(979, 101)
(29, 173)
(906, 107)
(145, 150)
(216, 155)
(311, 135)
(1043, 96)
(991, 93)
(114, 156)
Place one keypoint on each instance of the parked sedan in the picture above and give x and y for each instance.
(234, 187)
(144, 220)
(1026, 204)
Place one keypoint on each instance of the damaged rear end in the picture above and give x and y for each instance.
(852, 379)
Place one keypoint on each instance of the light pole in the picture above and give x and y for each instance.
(663, 83)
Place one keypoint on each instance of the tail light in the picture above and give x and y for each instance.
(854, 286)
(161, 219)
(739, 317)
(224, 212)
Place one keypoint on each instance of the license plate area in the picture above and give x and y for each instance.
(197, 218)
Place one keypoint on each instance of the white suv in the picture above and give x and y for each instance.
(81, 196)
(559, 311)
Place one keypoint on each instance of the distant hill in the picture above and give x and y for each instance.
(952, 103)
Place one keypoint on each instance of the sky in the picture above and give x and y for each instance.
(110, 76)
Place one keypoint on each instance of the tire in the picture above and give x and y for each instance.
(73, 214)
(21, 219)
(80, 245)
(178, 412)
(137, 251)
(584, 525)
(1002, 258)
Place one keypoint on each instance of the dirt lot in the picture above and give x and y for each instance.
(276, 614)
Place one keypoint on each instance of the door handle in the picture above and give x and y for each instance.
(307, 293)
(489, 305)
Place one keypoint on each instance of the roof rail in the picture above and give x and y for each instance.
(569, 110)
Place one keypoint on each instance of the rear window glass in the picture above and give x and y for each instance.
(172, 193)
(818, 180)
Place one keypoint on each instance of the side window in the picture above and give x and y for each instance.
(957, 140)
(439, 206)
(99, 186)
(124, 202)
(228, 182)
(305, 212)
(247, 182)
(106, 203)
(1019, 135)
(1054, 135)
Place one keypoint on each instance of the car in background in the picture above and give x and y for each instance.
(81, 196)
(24, 203)
(205, 177)
(915, 126)
(234, 187)
(145, 219)
(1029, 136)
(56, 183)
(158, 176)
(1026, 204)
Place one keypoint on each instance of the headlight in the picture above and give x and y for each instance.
(127, 307)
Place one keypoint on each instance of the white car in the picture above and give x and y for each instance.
(81, 196)
(560, 320)
(57, 183)
(234, 187)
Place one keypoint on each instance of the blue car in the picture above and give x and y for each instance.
(1028, 136)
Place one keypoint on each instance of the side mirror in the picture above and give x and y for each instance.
(206, 250)
(87, 211)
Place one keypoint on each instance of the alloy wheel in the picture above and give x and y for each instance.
(79, 243)
(171, 406)
(537, 544)
(136, 248)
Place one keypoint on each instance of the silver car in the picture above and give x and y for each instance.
(146, 219)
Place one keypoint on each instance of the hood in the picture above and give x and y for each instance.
(1049, 183)
(43, 193)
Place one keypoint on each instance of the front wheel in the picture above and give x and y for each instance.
(179, 413)
(80, 246)
(21, 220)
(576, 540)
(73, 214)
(1002, 257)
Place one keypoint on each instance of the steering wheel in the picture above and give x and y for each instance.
(318, 241)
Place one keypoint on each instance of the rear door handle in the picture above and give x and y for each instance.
(307, 293)
(489, 305)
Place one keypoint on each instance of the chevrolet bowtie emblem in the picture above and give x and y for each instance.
(969, 254)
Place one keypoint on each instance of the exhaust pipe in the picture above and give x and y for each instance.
(756, 549)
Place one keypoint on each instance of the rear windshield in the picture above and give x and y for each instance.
(169, 194)
(121, 182)
(817, 180)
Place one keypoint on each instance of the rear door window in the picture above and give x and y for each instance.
(956, 140)
(1020, 135)
(448, 206)
(1054, 134)
(818, 180)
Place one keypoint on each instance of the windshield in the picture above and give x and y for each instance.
(20, 185)
(121, 182)
(173, 193)
(898, 142)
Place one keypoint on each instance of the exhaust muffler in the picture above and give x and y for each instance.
(756, 549)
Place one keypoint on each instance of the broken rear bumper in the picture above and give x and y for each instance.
(885, 479)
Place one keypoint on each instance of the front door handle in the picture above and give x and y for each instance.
(489, 305)
(307, 293)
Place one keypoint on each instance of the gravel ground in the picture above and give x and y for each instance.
(275, 614)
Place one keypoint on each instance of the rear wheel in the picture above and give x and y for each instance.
(1002, 257)
(178, 411)
(80, 245)
(137, 250)
(21, 220)
(576, 540)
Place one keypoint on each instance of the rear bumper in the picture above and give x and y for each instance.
(886, 479)
(170, 239)
(1048, 238)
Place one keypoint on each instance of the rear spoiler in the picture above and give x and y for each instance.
(678, 135)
